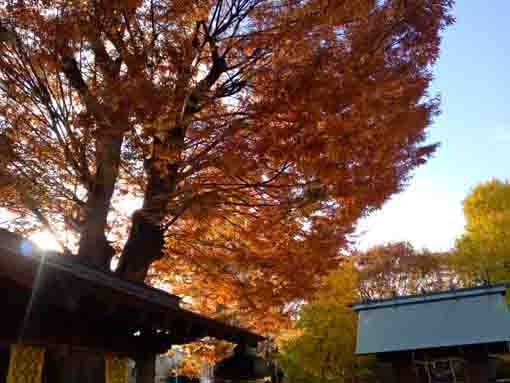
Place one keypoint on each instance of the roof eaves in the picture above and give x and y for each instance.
(431, 297)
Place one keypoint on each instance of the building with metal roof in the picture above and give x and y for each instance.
(460, 329)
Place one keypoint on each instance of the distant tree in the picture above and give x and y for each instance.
(323, 350)
(482, 253)
(399, 269)
(293, 369)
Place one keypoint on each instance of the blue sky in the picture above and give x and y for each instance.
(473, 78)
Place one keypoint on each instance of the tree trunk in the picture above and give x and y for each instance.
(145, 242)
(146, 238)
(144, 245)
(94, 248)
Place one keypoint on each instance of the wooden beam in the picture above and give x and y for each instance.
(51, 326)
(145, 368)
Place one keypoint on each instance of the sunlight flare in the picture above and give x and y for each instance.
(45, 241)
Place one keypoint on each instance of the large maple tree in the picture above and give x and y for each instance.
(253, 133)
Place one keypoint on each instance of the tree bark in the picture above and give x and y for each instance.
(146, 238)
(94, 248)
(144, 245)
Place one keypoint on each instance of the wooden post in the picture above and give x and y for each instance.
(477, 366)
(403, 368)
(4, 362)
(73, 366)
(145, 368)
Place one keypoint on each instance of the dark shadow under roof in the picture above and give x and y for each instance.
(73, 303)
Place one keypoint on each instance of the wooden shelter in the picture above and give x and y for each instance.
(451, 336)
(77, 313)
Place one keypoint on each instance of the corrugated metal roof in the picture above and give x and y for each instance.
(452, 318)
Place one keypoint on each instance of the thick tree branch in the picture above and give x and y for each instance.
(73, 75)
(94, 248)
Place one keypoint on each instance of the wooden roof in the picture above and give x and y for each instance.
(51, 299)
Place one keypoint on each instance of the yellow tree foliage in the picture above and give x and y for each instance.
(482, 253)
(250, 134)
(324, 350)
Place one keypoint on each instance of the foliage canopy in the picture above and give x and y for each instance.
(251, 134)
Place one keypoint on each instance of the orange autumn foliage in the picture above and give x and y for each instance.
(254, 134)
